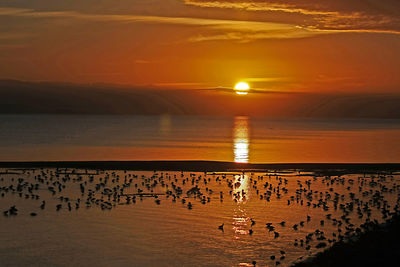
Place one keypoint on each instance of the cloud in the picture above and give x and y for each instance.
(318, 20)
(266, 79)
(282, 32)
(256, 6)
(331, 16)
(213, 23)
(12, 11)
(218, 29)
(179, 85)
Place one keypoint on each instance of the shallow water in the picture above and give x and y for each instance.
(145, 233)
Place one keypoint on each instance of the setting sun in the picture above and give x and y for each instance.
(242, 88)
(200, 133)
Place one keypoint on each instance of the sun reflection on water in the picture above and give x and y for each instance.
(240, 194)
(241, 139)
(239, 224)
(241, 186)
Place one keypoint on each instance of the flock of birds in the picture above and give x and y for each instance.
(364, 202)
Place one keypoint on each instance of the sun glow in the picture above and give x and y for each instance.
(242, 88)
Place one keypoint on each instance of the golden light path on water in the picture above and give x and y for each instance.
(241, 183)
(241, 139)
(240, 195)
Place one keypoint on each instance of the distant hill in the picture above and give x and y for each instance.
(17, 97)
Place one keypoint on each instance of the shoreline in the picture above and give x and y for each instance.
(211, 166)
(376, 247)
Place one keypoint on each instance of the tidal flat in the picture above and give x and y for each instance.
(71, 216)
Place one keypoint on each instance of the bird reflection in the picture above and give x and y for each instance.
(241, 139)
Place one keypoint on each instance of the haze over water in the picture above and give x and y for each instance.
(239, 139)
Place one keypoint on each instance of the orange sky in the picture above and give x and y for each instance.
(307, 45)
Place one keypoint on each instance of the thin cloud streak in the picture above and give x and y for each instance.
(265, 79)
(219, 29)
(315, 18)
(244, 37)
(222, 29)
(257, 6)
(215, 23)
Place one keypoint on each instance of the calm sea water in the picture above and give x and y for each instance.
(144, 233)
(240, 139)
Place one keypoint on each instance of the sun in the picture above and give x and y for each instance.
(242, 88)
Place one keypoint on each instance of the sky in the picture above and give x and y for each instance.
(283, 45)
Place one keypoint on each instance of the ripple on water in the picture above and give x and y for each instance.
(170, 234)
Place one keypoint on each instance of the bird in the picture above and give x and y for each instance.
(221, 227)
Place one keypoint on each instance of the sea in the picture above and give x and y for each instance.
(239, 139)
(81, 217)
